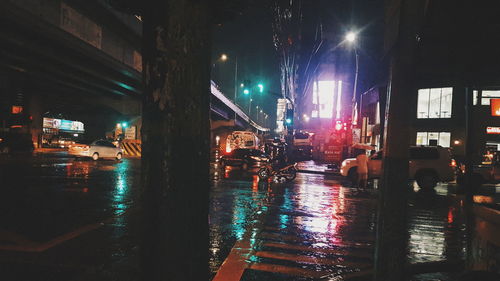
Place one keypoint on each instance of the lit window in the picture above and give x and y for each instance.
(422, 138)
(441, 138)
(434, 103)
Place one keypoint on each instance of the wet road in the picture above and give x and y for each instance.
(63, 219)
(319, 228)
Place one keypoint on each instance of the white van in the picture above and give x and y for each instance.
(241, 139)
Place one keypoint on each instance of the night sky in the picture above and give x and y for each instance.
(249, 38)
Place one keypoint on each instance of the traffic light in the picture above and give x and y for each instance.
(261, 87)
(289, 117)
(246, 91)
(124, 124)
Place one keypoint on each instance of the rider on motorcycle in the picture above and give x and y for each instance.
(278, 154)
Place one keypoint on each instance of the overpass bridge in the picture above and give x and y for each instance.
(52, 72)
(225, 113)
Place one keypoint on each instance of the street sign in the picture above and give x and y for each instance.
(130, 133)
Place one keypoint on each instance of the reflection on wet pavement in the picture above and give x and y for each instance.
(74, 214)
(315, 228)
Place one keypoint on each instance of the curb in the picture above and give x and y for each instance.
(319, 172)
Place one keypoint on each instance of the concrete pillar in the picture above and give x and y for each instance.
(34, 110)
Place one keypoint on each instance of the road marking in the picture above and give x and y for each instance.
(236, 262)
(310, 259)
(357, 253)
(274, 268)
(340, 243)
(37, 247)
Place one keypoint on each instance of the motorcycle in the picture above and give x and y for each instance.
(286, 173)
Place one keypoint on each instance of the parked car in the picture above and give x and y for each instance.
(245, 158)
(480, 174)
(16, 143)
(95, 150)
(428, 166)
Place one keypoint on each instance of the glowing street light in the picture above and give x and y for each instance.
(351, 37)
(223, 57)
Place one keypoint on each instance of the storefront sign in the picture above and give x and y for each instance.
(495, 107)
(493, 130)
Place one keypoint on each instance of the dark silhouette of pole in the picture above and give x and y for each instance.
(175, 137)
(392, 236)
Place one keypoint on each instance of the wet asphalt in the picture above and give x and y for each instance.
(67, 219)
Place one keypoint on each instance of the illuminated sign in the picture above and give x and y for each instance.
(327, 98)
(495, 107)
(63, 125)
(493, 130)
(17, 109)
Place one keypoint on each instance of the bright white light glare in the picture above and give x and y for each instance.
(75, 135)
(324, 94)
(223, 57)
(339, 99)
(350, 37)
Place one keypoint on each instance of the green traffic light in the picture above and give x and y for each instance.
(261, 88)
(246, 91)
(124, 124)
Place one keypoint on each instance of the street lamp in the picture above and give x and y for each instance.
(350, 37)
(224, 58)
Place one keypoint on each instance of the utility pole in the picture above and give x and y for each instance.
(392, 237)
(175, 140)
(235, 84)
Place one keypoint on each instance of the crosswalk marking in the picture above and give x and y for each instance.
(311, 259)
(358, 253)
(289, 270)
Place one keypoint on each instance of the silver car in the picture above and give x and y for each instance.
(97, 149)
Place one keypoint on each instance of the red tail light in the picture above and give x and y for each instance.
(453, 163)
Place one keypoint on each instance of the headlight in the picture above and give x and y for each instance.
(344, 163)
